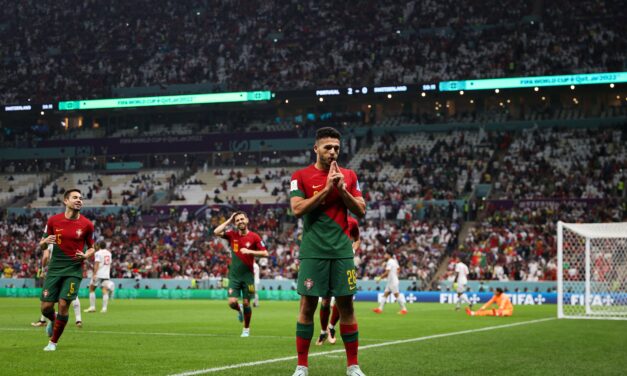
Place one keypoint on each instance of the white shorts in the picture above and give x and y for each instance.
(461, 288)
(392, 287)
(98, 282)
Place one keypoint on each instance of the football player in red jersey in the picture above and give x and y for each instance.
(245, 246)
(322, 194)
(69, 233)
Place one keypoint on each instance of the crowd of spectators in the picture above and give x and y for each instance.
(562, 163)
(244, 45)
(442, 167)
(573, 176)
(179, 245)
(519, 243)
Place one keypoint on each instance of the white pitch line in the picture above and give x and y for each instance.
(324, 353)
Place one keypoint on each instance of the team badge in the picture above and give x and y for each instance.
(45, 293)
(78, 233)
(230, 291)
(247, 244)
(309, 283)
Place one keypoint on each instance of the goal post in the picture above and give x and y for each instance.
(592, 270)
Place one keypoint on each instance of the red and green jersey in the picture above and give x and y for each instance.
(242, 265)
(326, 232)
(72, 236)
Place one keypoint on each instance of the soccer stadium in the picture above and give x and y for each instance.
(231, 187)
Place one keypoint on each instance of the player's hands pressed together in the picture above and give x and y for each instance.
(336, 176)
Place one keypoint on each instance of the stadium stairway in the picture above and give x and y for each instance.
(443, 267)
(180, 181)
(27, 187)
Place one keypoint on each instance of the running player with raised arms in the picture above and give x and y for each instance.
(245, 246)
(69, 233)
(322, 194)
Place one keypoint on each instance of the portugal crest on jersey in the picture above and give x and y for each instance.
(309, 283)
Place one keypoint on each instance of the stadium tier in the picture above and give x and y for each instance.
(414, 42)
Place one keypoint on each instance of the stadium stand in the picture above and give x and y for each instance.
(121, 45)
(103, 189)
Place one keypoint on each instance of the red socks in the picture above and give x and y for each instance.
(304, 333)
(59, 326)
(350, 336)
(247, 315)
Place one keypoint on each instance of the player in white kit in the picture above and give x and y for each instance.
(392, 269)
(256, 280)
(459, 283)
(100, 278)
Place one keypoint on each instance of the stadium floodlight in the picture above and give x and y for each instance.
(592, 271)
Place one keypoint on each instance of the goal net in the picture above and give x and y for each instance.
(592, 270)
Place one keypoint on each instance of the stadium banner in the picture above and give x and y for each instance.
(229, 142)
(532, 298)
(170, 100)
(517, 298)
(535, 81)
(553, 203)
(217, 294)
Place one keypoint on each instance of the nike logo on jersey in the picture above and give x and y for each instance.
(316, 186)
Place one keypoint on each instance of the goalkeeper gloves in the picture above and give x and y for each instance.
(455, 286)
(377, 279)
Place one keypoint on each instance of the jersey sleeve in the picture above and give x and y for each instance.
(388, 265)
(259, 244)
(296, 185)
(228, 235)
(98, 257)
(49, 227)
(89, 237)
(354, 188)
(487, 304)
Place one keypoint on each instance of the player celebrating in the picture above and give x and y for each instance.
(101, 274)
(459, 284)
(322, 194)
(391, 273)
(76, 304)
(245, 246)
(505, 307)
(68, 232)
(328, 328)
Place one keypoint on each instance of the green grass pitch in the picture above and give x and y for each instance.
(167, 337)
